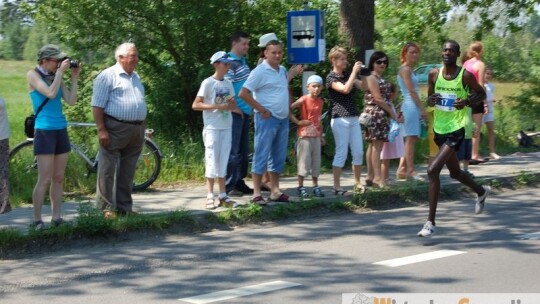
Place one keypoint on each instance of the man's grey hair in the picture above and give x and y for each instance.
(123, 49)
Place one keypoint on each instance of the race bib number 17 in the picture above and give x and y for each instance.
(446, 102)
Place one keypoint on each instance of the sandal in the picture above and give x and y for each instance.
(210, 204)
(369, 183)
(339, 192)
(227, 202)
(259, 200)
(282, 198)
(318, 192)
(302, 192)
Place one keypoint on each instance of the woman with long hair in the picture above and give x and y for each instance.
(412, 108)
(377, 105)
(473, 63)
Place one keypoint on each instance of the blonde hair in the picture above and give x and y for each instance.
(335, 52)
(405, 49)
(474, 50)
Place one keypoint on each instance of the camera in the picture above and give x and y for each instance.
(72, 63)
(364, 71)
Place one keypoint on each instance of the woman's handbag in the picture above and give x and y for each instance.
(365, 119)
(30, 121)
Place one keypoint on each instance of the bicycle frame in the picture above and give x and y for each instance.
(148, 166)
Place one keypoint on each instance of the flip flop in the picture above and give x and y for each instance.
(339, 192)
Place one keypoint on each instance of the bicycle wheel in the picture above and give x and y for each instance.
(22, 171)
(148, 166)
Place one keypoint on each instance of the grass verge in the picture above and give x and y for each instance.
(91, 227)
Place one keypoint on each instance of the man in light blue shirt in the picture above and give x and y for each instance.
(269, 85)
(119, 110)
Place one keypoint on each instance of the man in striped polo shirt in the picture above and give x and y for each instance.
(119, 111)
(237, 167)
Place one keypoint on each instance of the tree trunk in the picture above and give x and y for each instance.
(358, 25)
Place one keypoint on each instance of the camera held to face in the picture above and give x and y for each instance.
(72, 63)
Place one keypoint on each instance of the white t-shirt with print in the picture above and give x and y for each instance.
(215, 91)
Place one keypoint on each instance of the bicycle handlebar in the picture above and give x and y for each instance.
(81, 124)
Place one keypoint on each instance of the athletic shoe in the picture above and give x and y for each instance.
(302, 192)
(57, 222)
(318, 192)
(39, 226)
(479, 207)
(427, 230)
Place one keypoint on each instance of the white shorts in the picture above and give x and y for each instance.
(217, 147)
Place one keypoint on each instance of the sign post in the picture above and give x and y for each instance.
(305, 37)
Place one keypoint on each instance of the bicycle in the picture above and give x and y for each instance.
(23, 161)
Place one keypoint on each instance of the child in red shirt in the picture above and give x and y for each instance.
(310, 137)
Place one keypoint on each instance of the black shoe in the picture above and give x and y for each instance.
(477, 161)
(57, 222)
(244, 188)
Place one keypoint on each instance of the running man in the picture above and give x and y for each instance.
(450, 90)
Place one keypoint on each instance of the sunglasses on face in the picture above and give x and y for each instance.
(381, 61)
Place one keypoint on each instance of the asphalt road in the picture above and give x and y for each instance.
(311, 260)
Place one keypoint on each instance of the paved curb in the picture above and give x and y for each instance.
(192, 199)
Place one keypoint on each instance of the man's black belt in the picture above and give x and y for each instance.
(131, 122)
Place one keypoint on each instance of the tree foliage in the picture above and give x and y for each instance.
(174, 38)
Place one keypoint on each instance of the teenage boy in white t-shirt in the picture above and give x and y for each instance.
(216, 100)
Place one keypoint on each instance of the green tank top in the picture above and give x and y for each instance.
(447, 118)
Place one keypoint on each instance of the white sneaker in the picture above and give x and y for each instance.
(494, 156)
(479, 207)
(427, 230)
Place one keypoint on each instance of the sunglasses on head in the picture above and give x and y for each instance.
(381, 61)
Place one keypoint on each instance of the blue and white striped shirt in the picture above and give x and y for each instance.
(119, 94)
(238, 73)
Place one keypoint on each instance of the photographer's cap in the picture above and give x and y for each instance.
(220, 56)
(314, 79)
(51, 51)
(263, 41)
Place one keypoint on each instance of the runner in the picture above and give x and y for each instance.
(451, 89)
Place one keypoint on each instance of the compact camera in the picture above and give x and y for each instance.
(72, 63)
(364, 71)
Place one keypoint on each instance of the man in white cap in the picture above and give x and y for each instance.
(269, 85)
